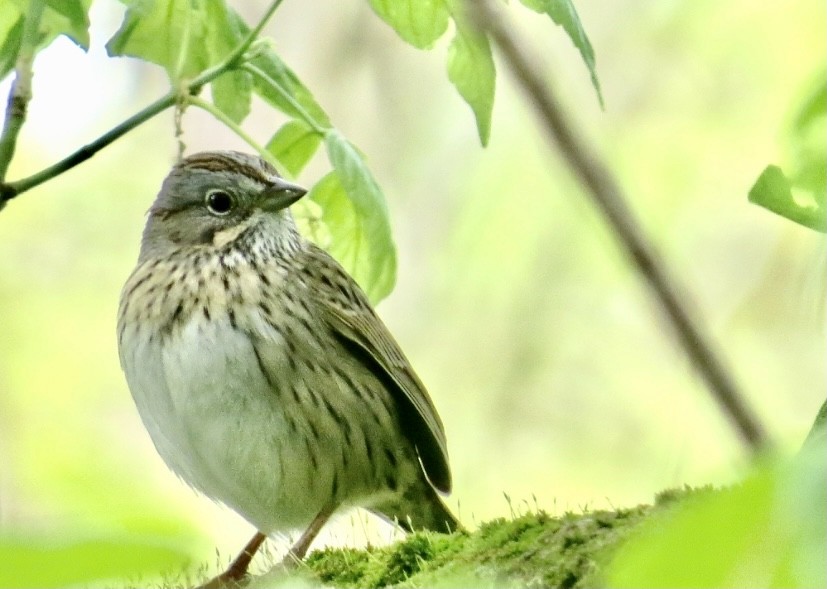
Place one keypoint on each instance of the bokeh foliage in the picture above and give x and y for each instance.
(801, 197)
(526, 328)
(347, 207)
(766, 531)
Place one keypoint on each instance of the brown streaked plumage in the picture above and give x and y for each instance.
(262, 373)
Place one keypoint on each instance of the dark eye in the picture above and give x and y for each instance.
(219, 202)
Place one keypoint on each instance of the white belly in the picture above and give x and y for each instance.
(218, 424)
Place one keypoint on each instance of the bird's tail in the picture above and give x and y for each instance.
(419, 508)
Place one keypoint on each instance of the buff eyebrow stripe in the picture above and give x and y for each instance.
(214, 164)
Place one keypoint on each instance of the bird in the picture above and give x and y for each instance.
(262, 373)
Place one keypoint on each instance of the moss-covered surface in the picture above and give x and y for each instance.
(532, 550)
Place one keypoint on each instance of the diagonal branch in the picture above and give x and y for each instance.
(219, 115)
(10, 190)
(607, 194)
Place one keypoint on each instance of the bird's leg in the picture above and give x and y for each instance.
(239, 566)
(234, 575)
(299, 549)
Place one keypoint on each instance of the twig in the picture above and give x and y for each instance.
(607, 194)
(228, 122)
(306, 116)
(13, 189)
(232, 61)
(21, 90)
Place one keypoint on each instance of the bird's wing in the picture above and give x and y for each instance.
(346, 310)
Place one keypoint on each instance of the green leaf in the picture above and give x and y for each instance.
(813, 108)
(357, 216)
(232, 93)
(418, 22)
(810, 173)
(225, 29)
(768, 531)
(818, 431)
(801, 194)
(808, 169)
(773, 191)
(169, 33)
(67, 17)
(185, 37)
(563, 13)
(280, 87)
(471, 70)
(11, 32)
(60, 17)
(293, 145)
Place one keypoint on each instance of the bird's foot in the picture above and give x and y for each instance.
(236, 575)
(229, 579)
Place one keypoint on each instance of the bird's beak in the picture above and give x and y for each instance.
(280, 195)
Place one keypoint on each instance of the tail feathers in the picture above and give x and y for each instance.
(419, 508)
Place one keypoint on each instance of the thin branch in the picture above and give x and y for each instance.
(21, 91)
(230, 124)
(607, 195)
(234, 57)
(232, 61)
(13, 189)
(306, 116)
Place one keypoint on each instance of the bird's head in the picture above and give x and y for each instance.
(214, 197)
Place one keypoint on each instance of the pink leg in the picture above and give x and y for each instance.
(234, 576)
(299, 549)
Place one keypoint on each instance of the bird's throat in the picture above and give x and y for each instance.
(230, 234)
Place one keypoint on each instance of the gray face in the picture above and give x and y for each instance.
(212, 195)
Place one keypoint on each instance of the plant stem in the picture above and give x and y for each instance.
(608, 196)
(12, 189)
(233, 58)
(311, 122)
(232, 61)
(21, 91)
(218, 114)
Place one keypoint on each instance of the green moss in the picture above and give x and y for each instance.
(532, 550)
(405, 561)
(343, 567)
(668, 496)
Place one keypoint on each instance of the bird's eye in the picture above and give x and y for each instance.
(219, 202)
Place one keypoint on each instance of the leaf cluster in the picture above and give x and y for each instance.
(471, 66)
(206, 42)
(187, 38)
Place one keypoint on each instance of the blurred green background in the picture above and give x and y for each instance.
(557, 380)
